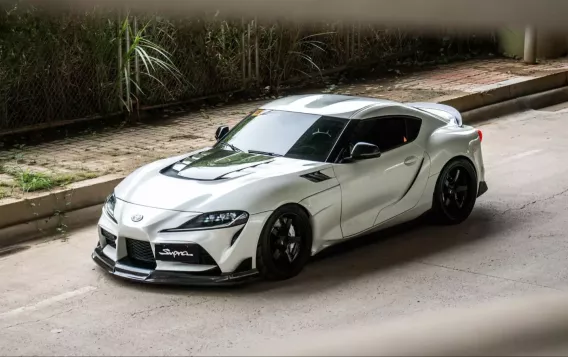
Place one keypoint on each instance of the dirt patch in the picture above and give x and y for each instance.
(6, 180)
(394, 94)
(184, 137)
(518, 68)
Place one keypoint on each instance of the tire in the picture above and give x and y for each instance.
(287, 262)
(448, 194)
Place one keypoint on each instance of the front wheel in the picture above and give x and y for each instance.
(285, 244)
(455, 193)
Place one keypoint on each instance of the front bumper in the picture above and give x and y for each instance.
(140, 250)
(168, 277)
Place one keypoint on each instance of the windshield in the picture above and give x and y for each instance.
(278, 133)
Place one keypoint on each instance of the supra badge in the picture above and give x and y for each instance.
(176, 253)
(137, 218)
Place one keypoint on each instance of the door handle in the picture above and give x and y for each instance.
(411, 160)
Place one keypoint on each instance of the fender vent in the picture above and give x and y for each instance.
(316, 177)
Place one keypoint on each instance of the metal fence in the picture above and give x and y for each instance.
(67, 66)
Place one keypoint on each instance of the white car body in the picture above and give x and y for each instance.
(343, 200)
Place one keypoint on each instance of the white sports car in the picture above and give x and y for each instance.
(296, 176)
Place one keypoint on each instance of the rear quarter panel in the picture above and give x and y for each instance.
(451, 141)
(445, 140)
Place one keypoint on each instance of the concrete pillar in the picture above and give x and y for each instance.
(530, 45)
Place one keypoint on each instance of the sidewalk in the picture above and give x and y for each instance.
(120, 151)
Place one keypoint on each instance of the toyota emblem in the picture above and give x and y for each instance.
(137, 218)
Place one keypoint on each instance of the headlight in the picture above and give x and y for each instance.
(110, 203)
(214, 220)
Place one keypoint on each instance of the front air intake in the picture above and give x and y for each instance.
(110, 239)
(140, 251)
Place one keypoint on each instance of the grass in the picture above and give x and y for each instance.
(33, 181)
(29, 181)
(65, 179)
(3, 193)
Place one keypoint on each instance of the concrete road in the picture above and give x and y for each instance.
(54, 301)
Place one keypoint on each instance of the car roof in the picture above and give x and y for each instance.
(333, 105)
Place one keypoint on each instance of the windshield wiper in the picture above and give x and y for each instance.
(264, 153)
(233, 147)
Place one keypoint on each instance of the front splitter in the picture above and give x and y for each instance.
(169, 277)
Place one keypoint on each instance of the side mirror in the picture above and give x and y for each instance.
(221, 132)
(364, 151)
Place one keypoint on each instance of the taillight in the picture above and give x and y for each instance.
(480, 135)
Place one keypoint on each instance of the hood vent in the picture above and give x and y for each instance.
(316, 177)
(216, 164)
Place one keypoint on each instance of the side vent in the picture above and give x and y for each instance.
(316, 177)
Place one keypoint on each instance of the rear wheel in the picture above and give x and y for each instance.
(285, 244)
(455, 193)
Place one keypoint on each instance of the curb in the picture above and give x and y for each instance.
(41, 216)
(40, 228)
(533, 101)
(507, 90)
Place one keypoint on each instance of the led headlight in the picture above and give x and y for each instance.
(110, 203)
(215, 220)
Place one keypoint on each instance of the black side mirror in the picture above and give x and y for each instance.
(221, 132)
(364, 151)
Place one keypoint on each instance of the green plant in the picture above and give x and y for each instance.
(67, 66)
(33, 181)
(54, 66)
(153, 57)
(29, 181)
(302, 49)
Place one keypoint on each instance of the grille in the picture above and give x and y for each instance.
(140, 251)
(109, 238)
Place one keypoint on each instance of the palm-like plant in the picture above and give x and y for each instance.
(155, 60)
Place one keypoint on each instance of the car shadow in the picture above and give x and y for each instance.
(410, 242)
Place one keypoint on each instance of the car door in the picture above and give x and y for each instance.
(368, 186)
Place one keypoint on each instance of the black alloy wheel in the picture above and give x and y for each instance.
(285, 244)
(455, 193)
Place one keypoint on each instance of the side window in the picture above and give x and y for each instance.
(391, 133)
(365, 131)
(386, 132)
(362, 132)
(413, 126)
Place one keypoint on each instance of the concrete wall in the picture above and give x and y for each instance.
(549, 44)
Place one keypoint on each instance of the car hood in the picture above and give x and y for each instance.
(191, 183)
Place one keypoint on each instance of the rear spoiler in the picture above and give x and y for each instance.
(445, 112)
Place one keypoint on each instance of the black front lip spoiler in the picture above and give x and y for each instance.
(482, 188)
(168, 277)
